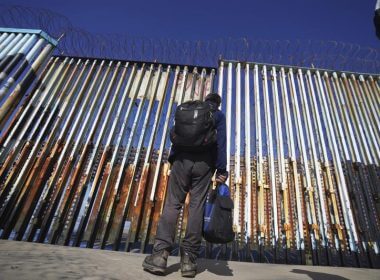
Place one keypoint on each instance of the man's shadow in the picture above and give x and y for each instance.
(318, 275)
(216, 267)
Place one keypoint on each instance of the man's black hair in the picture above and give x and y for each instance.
(214, 97)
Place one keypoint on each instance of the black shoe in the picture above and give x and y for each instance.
(156, 263)
(188, 265)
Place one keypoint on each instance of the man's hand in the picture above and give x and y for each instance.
(221, 177)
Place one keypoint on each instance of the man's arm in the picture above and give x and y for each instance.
(221, 154)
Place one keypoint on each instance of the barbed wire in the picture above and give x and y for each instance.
(79, 42)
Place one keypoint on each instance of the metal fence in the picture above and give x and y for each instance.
(83, 155)
(22, 53)
(85, 161)
(304, 154)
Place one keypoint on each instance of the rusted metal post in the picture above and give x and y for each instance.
(25, 165)
(139, 221)
(50, 151)
(368, 157)
(48, 189)
(347, 213)
(123, 211)
(53, 89)
(281, 165)
(49, 108)
(309, 196)
(326, 166)
(32, 156)
(83, 189)
(272, 178)
(228, 117)
(14, 126)
(360, 199)
(300, 243)
(68, 191)
(84, 225)
(247, 150)
(165, 133)
(237, 178)
(63, 167)
(113, 191)
(262, 227)
(323, 224)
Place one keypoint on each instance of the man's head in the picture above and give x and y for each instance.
(214, 98)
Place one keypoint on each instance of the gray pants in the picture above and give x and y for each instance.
(191, 172)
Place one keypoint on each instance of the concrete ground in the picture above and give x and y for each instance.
(24, 260)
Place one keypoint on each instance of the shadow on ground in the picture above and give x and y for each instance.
(219, 268)
(318, 275)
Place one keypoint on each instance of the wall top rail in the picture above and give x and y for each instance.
(43, 34)
(141, 62)
(287, 67)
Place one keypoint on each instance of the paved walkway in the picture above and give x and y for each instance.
(24, 260)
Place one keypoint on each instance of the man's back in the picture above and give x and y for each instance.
(218, 149)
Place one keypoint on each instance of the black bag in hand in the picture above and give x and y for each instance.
(217, 222)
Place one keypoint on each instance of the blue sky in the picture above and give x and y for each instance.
(347, 21)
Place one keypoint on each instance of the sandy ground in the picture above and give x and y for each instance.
(24, 260)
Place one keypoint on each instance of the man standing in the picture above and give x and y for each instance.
(194, 161)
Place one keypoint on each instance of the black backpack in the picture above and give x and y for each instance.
(194, 128)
